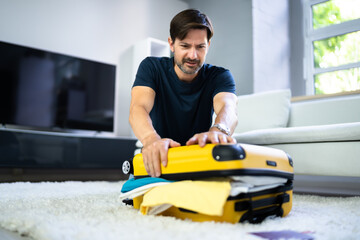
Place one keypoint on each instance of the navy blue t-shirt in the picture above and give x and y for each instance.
(182, 109)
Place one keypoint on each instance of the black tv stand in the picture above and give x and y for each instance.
(43, 155)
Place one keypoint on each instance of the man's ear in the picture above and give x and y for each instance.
(171, 44)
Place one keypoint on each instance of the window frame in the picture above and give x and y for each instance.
(311, 35)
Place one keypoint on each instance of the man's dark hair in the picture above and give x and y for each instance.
(189, 19)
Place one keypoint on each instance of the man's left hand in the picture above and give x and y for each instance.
(210, 137)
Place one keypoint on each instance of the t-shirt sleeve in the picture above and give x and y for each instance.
(145, 75)
(224, 83)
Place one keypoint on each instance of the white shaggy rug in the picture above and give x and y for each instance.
(91, 210)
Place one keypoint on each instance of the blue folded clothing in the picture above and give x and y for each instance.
(132, 183)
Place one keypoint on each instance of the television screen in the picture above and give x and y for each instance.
(42, 89)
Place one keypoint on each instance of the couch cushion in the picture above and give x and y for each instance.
(324, 111)
(322, 133)
(263, 110)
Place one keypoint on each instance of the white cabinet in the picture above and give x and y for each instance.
(129, 65)
(149, 47)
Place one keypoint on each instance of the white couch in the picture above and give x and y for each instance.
(321, 135)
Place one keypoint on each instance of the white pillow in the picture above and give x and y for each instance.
(263, 110)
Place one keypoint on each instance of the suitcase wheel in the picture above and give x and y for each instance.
(127, 167)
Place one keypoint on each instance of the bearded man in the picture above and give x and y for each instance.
(173, 99)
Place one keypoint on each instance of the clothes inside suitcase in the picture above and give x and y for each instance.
(240, 163)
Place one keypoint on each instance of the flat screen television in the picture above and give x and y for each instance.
(46, 90)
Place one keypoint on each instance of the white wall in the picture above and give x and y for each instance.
(88, 29)
(93, 29)
(232, 45)
(271, 41)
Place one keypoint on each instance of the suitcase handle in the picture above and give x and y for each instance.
(266, 205)
(245, 205)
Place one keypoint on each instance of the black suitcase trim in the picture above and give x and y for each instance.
(223, 173)
(258, 210)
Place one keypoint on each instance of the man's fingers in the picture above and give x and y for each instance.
(163, 158)
(151, 160)
(153, 163)
(146, 153)
(210, 137)
(223, 138)
(192, 140)
(146, 164)
(215, 138)
(156, 154)
(174, 143)
(203, 138)
(149, 168)
(231, 139)
(156, 169)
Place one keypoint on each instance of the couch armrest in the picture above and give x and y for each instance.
(306, 134)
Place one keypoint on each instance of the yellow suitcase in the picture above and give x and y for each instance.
(228, 160)
(218, 160)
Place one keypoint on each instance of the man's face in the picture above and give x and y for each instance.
(190, 53)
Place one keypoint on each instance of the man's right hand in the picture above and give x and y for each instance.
(155, 153)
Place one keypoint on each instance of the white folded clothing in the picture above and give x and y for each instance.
(140, 190)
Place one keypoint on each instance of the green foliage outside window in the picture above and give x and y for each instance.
(337, 50)
(334, 12)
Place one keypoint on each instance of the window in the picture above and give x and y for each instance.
(332, 46)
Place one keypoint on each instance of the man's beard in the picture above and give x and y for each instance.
(189, 70)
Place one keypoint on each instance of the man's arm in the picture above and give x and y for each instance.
(154, 148)
(225, 109)
(142, 101)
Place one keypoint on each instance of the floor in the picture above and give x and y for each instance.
(8, 235)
